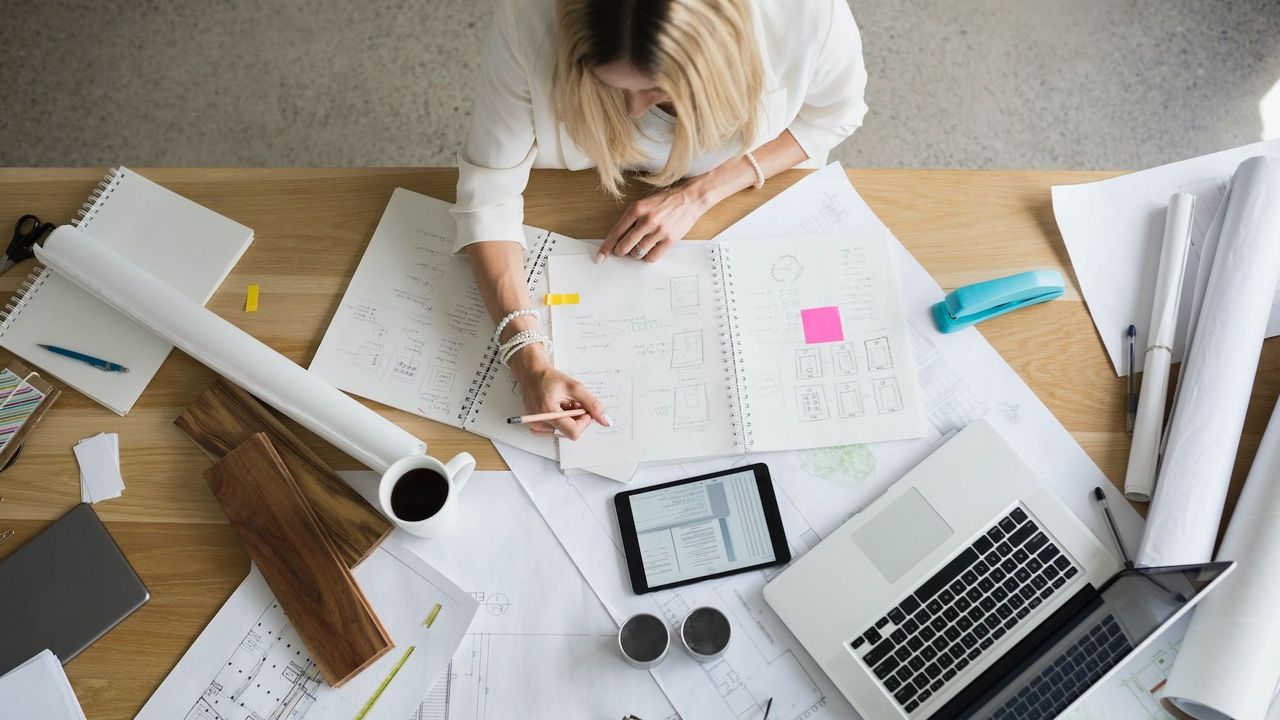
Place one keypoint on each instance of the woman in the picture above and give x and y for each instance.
(701, 98)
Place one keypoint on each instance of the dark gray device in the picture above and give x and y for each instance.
(64, 589)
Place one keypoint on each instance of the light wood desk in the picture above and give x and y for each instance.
(311, 230)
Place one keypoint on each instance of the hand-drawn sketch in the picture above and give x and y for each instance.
(844, 359)
(690, 409)
(440, 379)
(786, 269)
(367, 357)
(879, 356)
(686, 349)
(888, 396)
(684, 295)
(404, 368)
(808, 363)
(849, 399)
(811, 403)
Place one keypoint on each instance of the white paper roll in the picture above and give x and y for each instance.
(1229, 665)
(1144, 450)
(228, 350)
(1217, 375)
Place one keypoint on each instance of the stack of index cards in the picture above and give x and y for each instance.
(99, 458)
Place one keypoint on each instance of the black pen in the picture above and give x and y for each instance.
(1101, 497)
(1131, 396)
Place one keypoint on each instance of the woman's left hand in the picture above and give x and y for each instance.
(652, 225)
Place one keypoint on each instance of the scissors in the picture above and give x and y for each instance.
(27, 233)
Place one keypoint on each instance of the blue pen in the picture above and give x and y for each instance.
(87, 359)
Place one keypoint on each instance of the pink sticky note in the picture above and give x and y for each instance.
(822, 325)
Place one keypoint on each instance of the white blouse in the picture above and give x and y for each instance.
(814, 80)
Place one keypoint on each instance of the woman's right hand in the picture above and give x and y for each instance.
(546, 389)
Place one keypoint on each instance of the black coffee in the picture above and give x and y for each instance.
(419, 494)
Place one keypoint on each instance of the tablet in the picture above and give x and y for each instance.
(702, 527)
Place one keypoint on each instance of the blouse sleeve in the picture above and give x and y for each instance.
(834, 105)
(494, 162)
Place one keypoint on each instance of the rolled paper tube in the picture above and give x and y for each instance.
(227, 350)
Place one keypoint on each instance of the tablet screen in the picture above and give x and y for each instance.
(701, 528)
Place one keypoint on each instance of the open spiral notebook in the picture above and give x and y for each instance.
(179, 241)
(739, 346)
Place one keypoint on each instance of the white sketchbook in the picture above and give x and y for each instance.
(736, 347)
(412, 331)
(185, 244)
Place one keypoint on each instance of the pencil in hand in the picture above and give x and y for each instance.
(541, 417)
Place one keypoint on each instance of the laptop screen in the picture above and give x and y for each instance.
(1087, 637)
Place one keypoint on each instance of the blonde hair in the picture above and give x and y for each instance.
(702, 53)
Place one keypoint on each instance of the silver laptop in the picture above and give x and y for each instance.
(969, 590)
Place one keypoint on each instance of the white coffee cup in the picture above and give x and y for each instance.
(418, 508)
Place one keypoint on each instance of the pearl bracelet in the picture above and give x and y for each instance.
(520, 341)
(759, 173)
(506, 320)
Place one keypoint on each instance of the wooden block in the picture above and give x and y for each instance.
(295, 556)
(224, 416)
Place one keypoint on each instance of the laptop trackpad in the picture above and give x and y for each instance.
(902, 534)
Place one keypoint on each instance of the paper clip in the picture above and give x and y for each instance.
(560, 299)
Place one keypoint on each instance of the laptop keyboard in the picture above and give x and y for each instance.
(1079, 667)
(956, 616)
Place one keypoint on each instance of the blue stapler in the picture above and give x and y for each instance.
(992, 298)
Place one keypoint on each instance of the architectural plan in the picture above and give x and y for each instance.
(248, 663)
(961, 377)
(541, 644)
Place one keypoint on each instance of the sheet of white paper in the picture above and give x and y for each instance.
(99, 460)
(248, 662)
(962, 378)
(1113, 229)
(541, 644)
(38, 688)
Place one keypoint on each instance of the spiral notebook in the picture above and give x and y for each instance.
(412, 331)
(739, 346)
(183, 243)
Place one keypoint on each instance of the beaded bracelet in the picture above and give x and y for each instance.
(759, 173)
(521, 341)
(502, 324)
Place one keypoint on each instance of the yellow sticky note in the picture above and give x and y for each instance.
(560, 299)
(251, 299)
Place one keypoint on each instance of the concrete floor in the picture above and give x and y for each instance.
(978, 83)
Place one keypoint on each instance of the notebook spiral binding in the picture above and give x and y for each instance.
(484, 377)
(735, 376)
(84, 216)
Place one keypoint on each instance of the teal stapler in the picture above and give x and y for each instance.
(992, 298)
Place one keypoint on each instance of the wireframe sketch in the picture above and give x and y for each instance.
(684, 295)
(888, 396)
(440, 379)
(405, 368)
(879, 356)
(849, 399)
(691, 409)
(844, 359)
(811, 403)
(808, 363)
(269, 675)
(367, 357)
(786, 269)
(686, 349)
